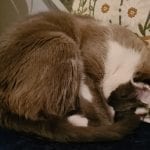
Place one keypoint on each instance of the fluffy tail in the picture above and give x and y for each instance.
(61, 130)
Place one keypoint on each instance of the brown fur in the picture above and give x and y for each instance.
(42, 60)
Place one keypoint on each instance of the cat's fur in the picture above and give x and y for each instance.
(49, 61)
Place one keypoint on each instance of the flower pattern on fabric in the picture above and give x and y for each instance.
(133, 14)
(105, 8)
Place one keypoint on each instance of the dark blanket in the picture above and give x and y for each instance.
(10, 140)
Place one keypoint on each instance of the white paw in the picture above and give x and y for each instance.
(147, 119)
(78, 120)
(141, 111)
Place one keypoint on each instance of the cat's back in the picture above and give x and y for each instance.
(40, 51)
(33, 32)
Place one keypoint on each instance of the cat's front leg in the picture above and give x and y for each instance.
(92, 103)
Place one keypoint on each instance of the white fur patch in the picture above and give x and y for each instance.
(78, 120)
(147, 119)
(141, 111)
(111, 111)
(85, 92)
(120, 66)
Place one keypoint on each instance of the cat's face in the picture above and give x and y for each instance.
(128, 96)
(135, 93)
(120, 66)
(127, 77)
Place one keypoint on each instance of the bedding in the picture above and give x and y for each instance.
(10, 140)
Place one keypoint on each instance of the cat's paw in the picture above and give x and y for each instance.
(144, 114)
(141, 111)
(78, 120)
(146, 119)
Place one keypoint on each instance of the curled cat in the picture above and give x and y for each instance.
(57, 72)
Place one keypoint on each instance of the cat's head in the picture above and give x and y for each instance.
(127, 76)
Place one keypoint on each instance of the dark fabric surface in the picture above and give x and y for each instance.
(10, 140)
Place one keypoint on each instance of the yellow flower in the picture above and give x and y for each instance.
(105, 8)
(132, 12)
(107, 11)
(135, 12)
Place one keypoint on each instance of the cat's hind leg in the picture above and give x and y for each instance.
(48, 80)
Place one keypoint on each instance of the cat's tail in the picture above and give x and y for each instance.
(61, 130)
